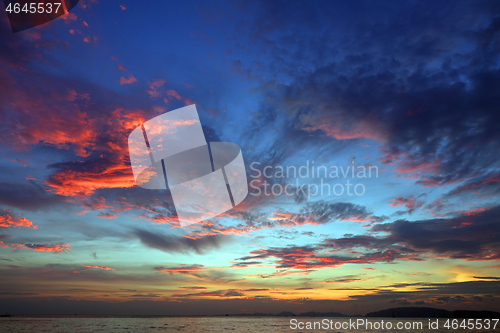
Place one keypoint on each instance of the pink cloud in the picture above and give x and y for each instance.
(131, 79)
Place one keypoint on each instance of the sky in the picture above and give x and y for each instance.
(380, 119)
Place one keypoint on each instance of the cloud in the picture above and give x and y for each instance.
(106, 215)
(56, 248)
(436, 123)
(100, 267)
(321, 212)
(339, 281)
(129, 80)
(307, 258)
(436, 293)
(71, 128)
(317, 213)
(485, 186)
(193, 288)
(184, 269)
(28, 196)
(82, 178)
(153, 86)
(7, 220)
(410, 203)
(30, 102)
(215, 293)
(220, 293)
(471, 237)
(173, 244)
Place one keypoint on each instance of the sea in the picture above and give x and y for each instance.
(35, 324)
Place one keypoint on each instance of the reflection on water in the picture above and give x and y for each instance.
(191, 324)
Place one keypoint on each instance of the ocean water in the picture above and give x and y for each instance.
(72, 324)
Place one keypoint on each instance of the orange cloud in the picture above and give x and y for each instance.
(84, 183)
(83, 178)
(8, 221)
(56, 248)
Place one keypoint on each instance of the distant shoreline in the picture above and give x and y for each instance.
(402, 312)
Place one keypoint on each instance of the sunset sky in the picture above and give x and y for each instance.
(410, 89)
